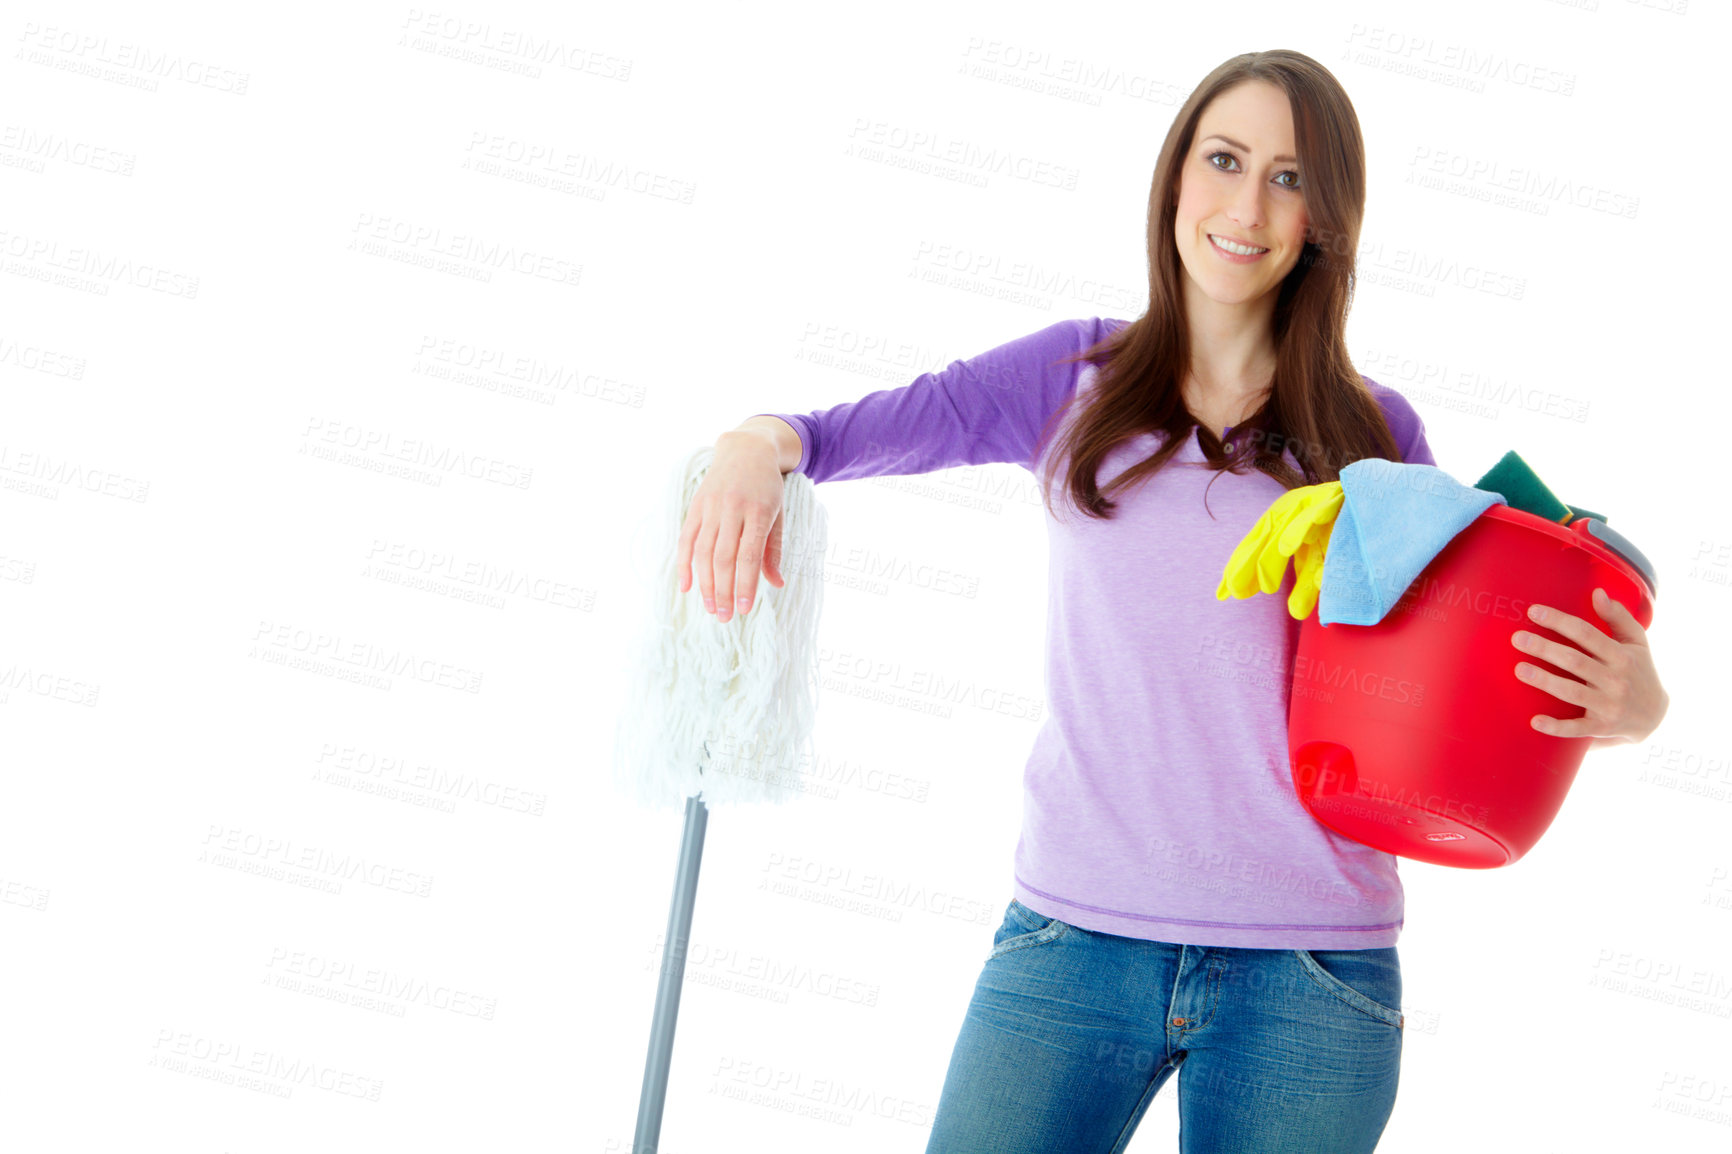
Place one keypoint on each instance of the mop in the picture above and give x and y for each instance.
(715, 713)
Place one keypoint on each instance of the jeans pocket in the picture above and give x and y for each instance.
(1367, 980)
(1023, 927)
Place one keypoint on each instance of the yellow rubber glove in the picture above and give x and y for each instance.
(1308, 579)
(1244, 575)
(1314, 519)
(1296, 525)
(1310, 529)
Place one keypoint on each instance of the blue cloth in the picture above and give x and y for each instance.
(1394, 519)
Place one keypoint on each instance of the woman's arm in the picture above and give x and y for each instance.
(782, 437)
(987, 408)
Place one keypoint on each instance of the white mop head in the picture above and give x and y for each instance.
(725, 710)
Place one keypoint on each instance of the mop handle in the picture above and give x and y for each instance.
(673, 972)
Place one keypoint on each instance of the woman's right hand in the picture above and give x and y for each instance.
(734, 525)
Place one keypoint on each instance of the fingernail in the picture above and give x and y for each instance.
(743, 604)
(709, 605)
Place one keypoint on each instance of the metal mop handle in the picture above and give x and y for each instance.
(673, 972)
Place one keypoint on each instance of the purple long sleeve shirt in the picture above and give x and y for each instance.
(1158, 800)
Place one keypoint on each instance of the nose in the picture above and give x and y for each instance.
(1246, 207)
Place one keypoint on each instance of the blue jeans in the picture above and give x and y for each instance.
(1071, 1032)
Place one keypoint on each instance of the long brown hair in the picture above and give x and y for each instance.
(1318, 407)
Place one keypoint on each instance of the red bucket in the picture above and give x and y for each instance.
(1412, 735)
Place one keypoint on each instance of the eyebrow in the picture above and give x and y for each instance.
(1244, 148)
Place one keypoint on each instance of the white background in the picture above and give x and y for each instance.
(307, 733)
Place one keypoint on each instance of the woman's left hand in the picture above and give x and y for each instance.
(1619, 688)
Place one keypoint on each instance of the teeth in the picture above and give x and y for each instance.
(1239, 249)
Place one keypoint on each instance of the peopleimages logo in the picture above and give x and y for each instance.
(1333, 789)
(1315, 673)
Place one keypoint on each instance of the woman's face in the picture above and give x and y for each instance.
(1240, 182)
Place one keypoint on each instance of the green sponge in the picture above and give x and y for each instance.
(1523, 489)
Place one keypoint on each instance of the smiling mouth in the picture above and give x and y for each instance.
(1234, 251)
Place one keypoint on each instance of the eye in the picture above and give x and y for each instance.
(1214, 156)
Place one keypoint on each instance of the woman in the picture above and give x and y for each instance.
(1174, 905)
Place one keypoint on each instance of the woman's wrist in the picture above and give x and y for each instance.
(781, 438)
